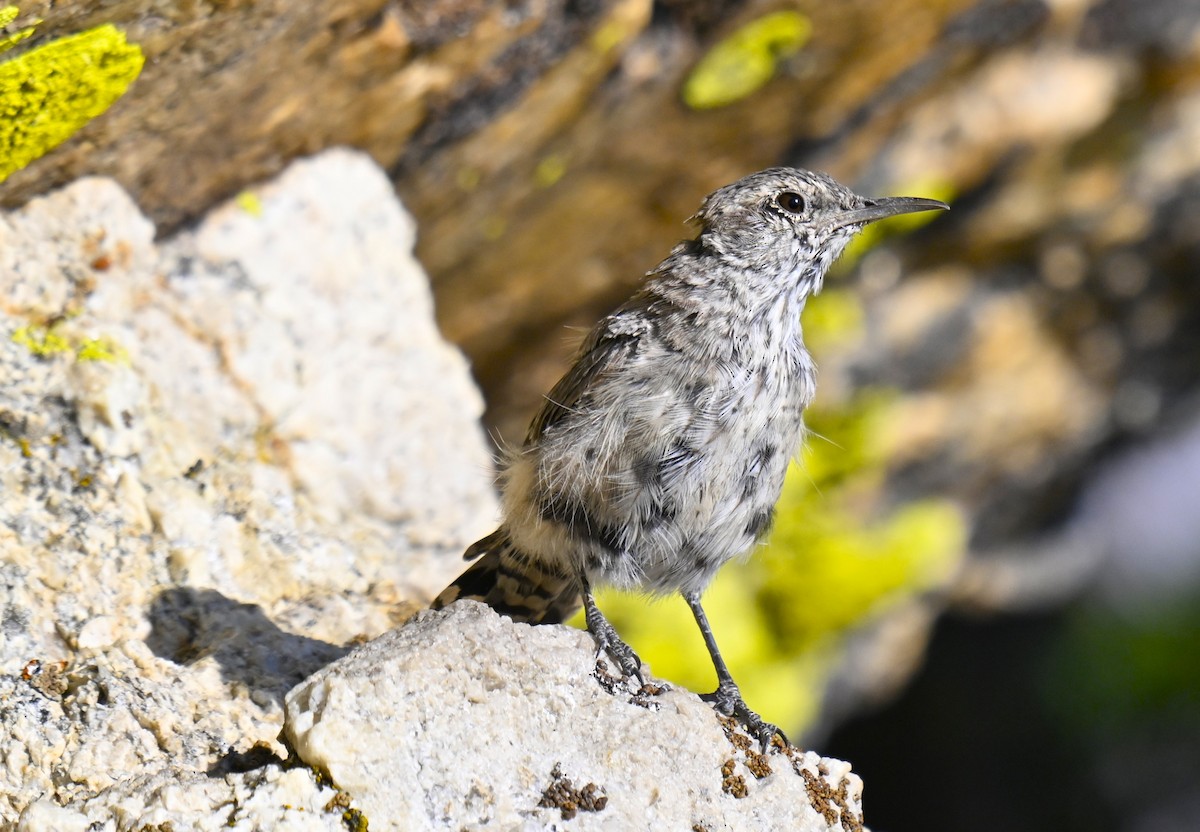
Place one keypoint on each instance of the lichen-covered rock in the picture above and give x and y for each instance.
(462, 719)
(221, 459)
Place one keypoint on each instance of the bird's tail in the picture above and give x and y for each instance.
(513, 584)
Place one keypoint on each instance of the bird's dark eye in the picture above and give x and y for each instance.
(790, 201)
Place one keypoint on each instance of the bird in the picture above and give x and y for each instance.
(661, 453)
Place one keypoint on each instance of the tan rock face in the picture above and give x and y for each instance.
(542, 143)
(231, 92)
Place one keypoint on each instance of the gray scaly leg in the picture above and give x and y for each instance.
(607, 640)
(727, 698)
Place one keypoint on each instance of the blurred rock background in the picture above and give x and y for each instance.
(1009, 406)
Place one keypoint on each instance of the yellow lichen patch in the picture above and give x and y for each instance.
(468, 179)
(7, 15)
(549, 170)
(41, 341)
(9, 41)
(50, 92)
(609, 36)
(746, 60)
(101, 349)
(249, 202)
(46, 342)
(877, 232)
(355, 820)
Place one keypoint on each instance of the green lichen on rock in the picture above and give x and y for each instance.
(103, 350)
(41, 341)
(48, 342)
(8, 40)
(745, 60)
(49, 92)
(249, 202)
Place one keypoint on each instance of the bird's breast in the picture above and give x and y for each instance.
(665, 472)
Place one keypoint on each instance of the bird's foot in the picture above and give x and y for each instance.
(607, 641)
(727, 700)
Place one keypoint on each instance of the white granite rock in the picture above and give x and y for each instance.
(463, 720)
(222, 457)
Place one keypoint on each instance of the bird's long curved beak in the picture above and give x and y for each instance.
(888, 206)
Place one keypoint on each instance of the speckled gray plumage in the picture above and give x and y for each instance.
(660, 455)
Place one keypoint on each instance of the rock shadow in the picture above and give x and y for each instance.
(189, 624)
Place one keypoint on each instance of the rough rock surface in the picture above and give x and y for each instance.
(221, 459)
(463, 720)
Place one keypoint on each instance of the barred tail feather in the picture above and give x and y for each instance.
(513, 584)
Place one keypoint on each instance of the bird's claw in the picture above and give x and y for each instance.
(624, 657)
(607, 641)
(728, 700)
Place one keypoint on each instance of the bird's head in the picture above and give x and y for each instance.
(789, 225)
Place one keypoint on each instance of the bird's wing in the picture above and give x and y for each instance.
(606, 349)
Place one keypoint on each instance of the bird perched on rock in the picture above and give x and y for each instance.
(661, 453)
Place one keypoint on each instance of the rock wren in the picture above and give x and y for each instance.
(661, 453)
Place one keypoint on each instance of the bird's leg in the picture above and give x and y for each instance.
(607, 640)
(727, 698)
